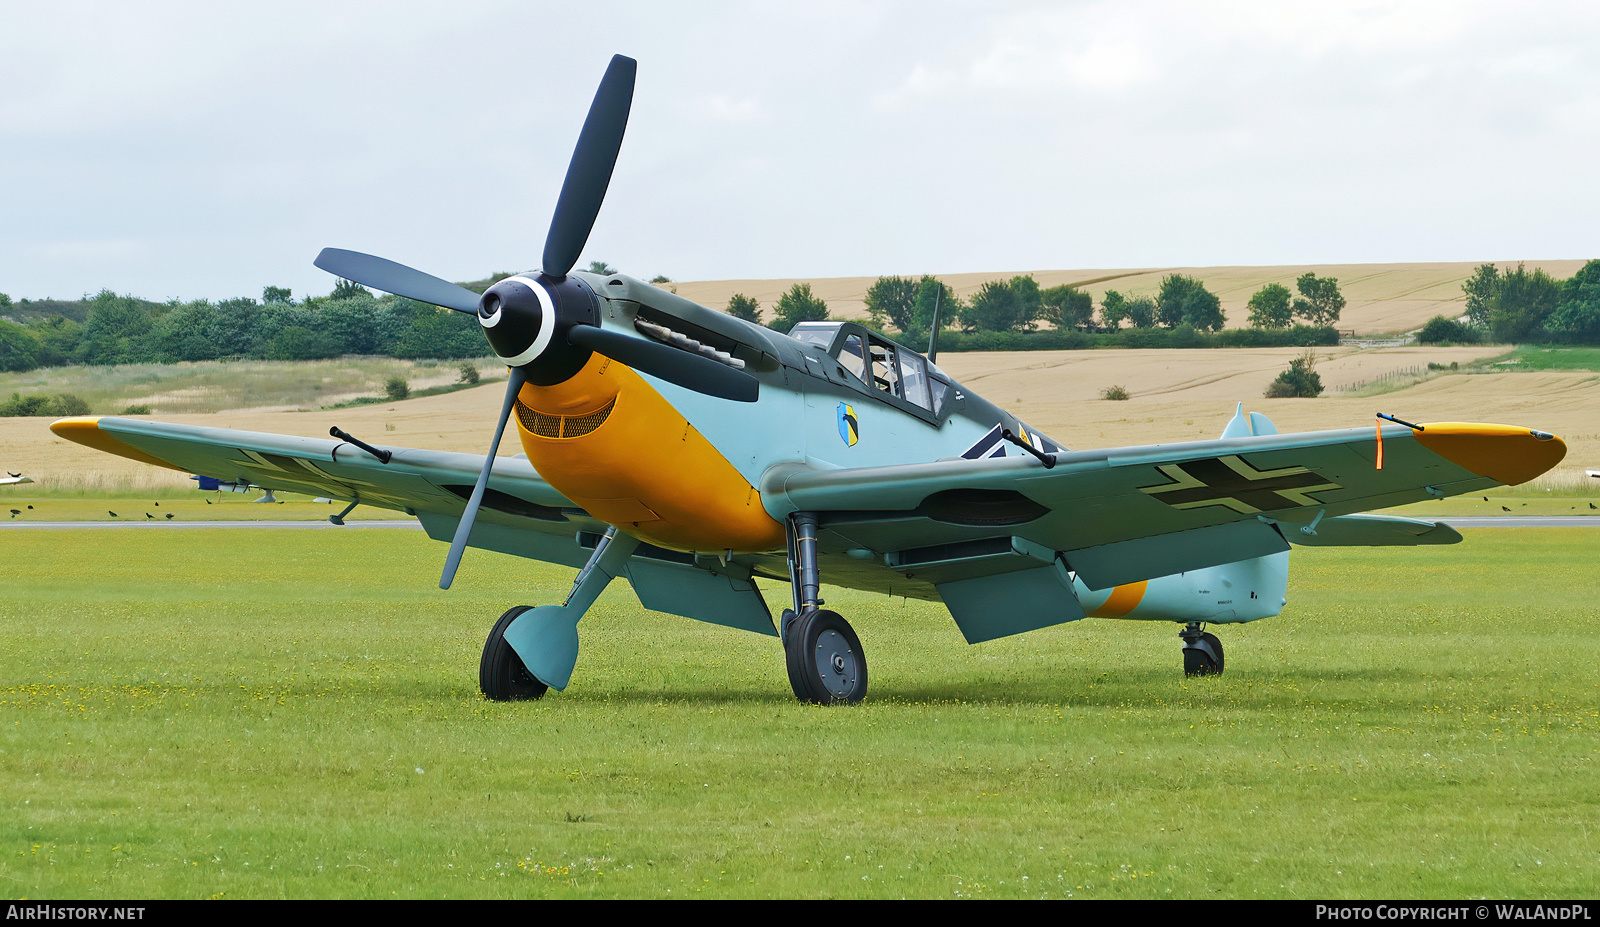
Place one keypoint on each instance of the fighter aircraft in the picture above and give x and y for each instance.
(694, 455)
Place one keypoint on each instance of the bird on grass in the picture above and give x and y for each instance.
(112, 514)
(15, 512)
(1591, 505)
(169, 516)
(148, 515)
(1504, 509)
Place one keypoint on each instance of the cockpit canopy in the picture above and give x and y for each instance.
(893, 372)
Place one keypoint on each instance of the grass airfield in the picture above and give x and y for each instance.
(262, 714)
(193, 714)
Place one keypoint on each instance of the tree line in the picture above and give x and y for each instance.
(1523, 306)
(1013, 314)
(1020, 307)
(126, 330)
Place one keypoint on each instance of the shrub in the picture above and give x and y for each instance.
(68, 404)
(136, 410)
(469, 374)
(1300, 381)
(1114, 392)
(1441, 330)
(396, 388)
(53, 406)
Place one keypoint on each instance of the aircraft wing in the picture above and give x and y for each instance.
(521, 513)
(1128, 514)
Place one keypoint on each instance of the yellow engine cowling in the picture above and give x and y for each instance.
(610, 443)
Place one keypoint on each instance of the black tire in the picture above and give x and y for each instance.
(1203, 657)
(501, 675)
(826, 665)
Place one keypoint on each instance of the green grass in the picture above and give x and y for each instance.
(212, 386)
(1545, 357)
(1523, 358)
(295, 714)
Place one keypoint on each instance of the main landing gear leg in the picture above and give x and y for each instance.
(532, 649)
(1202, 652)
(821, 651)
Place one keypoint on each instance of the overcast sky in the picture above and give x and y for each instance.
(183, 150)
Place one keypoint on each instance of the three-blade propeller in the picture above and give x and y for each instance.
(582, 193)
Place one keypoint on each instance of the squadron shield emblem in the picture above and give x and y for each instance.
(849, 427)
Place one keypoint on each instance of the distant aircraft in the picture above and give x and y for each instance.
(693, 455)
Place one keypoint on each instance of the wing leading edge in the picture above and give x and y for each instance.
(523, 514)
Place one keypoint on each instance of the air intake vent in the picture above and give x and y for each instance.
(562, 426)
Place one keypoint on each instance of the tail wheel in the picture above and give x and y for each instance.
(1202, 655)
(501, 675)
(825, 661)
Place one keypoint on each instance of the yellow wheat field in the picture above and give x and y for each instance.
(1176, 395)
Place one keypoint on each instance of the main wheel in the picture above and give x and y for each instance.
(825, 661)
(1202, 656)
(501, 675)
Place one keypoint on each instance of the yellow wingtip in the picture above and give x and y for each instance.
(1504, 453)
(86, 430)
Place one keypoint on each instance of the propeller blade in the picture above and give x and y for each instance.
(458, 544)
(398, 279)
(590, 171)
(690, 371)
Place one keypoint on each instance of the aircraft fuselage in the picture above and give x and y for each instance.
(675, 468)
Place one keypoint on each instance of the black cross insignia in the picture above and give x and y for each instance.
(1233, 483)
